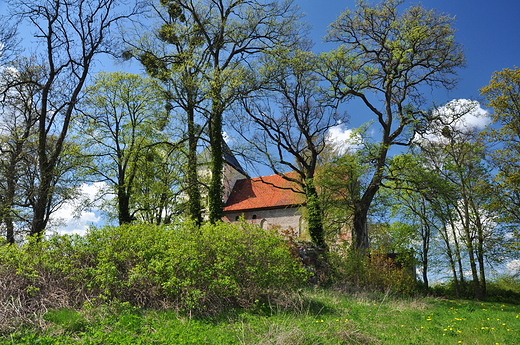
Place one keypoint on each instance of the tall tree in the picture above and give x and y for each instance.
(71, 35)
(503, 96)
(229, 34)
(18, 118)
(415, 189)
(339, 182)
(19, 174)
(456, 155)
(461, 162)
(122, 116)
(173, 53)
(292, 116)
(390, 55)
(158, 191)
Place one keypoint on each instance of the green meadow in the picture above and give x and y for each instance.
(314, 316)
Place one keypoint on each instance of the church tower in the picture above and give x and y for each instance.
(232, 170)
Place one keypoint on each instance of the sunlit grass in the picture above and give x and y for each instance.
(316, 317)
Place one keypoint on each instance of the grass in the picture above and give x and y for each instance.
(316, 317)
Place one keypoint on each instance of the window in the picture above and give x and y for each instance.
(254, 216)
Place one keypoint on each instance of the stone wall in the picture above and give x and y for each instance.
(282, 218)
(313, 259)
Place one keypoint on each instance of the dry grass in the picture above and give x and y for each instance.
(23, 300)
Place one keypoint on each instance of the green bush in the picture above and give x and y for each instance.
(503, 289)
(181, 266)
(376, 272)
(41, 275)
(193, 268)
(506, 282)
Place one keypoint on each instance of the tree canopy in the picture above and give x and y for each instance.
(503, 96)
(390, 54)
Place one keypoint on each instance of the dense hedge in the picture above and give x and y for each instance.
(179, 266)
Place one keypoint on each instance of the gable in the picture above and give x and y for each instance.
(263, 192)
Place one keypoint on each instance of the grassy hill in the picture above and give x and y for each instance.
(228, 284)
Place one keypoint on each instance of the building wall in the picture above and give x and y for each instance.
(229, 177)
(284, 218)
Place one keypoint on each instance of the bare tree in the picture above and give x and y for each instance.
(292, 116)
(70, 36)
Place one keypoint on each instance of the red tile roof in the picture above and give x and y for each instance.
(263, 192)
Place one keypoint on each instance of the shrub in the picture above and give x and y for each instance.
(377, 271)
(506, 282)
(194, 268)
(502, 288)
(40, 275)
(181, 266)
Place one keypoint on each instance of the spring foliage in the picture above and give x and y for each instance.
(195, 270)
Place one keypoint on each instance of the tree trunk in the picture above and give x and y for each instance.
(482, 271)
(123, 204)
(466, 224)
(472, 261)
(360, 230)
(425, 247)
(216, 204)
(480, 250)
(194, 207)
(362, 206)
(39, 222)
(458, 256)
(315, 216)
(451, 257)
(43, 196)
(8, 200)
(8, 214)
(455, 277)
(474, 272)
(425, 273)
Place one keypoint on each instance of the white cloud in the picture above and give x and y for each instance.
(67, 219)
(473, 115)
(92, 192)
(459, 115)
(343, 139)
(74, 225)
(513, 267)
(339, 134)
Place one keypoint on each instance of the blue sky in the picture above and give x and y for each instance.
(488, 30)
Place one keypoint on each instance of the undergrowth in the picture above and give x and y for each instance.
(227, 284)
(195, 271)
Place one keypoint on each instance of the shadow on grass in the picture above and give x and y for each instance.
(296, 305)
